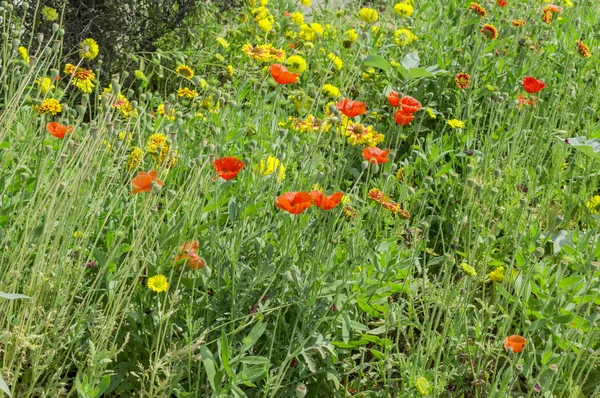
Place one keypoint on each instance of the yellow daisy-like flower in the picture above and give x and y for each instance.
(224, 43)
(82, 78)
(368, 15)
(296, 64)
(158, 283)
(404, 37)
(468, 269)
(404, 9)
(88, 49)
(187, 93)
(359, 134)
(265, 24)
(331, 90)
(593, 205)
(135, 158)
(305, 3)
(24, 54)
(297, 18)
(497, 275)
(50, 106)
(44, 84)
(185, 71)
(337, 61)
(269, 166)
(156, 142)
(456, 124)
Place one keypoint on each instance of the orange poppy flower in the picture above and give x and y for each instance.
(187, 252)
(402, 118)
(326, 202)
(553, 8)
(294, 202)
(514, 343)
(227, 167)
(282, 75)
(393, 98)
(502, 3)
(351, 108)
(375, 155)
(58, 130)
(409, 104)
(533, 85)
(142, 182)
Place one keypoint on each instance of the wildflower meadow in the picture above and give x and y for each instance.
(387, 198)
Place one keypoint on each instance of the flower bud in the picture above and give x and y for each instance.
(301, 391)
(364, 165)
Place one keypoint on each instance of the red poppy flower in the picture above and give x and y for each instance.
(326, 202)
(514, 343)
(409, 104)
(282, 75)
(351, 108)
(393, 98)
(533, 85)
(502, 3)
(294, 202)
(375, 155)
(142, 182)
(402, 118)
(227, 167)
(58, 130)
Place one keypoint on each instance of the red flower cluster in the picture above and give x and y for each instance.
(407, 107)
(297, 202)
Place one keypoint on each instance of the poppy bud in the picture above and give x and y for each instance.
(295, 140)
(61, 187)
(49, 150)
(411, 191)
(55, 27)
(211, 157)
(211, 148)
(273, 147)
(25, 5)
(95, 132)
(443, 178)
(301, 391)
(40, 37)
(453, 174)
(428, 180)
(246, 160)
(203, 143)
(559, 219)
(471, 182)
(523, 202)
(155, 187)
(479, 188)
(16, 42)
(470, 168)
(449, 259)
(60, 33)
(80, 110)
(364, 165)
(375, 168)
(539, 252)
(287, 275)
(538, 170)
(497, 173)
(553, 368)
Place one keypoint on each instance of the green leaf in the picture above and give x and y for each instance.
(232, 209)
(255, 334)
(376, 61)
(582, 144)
(447, 167)
(4, 386)
(569, 282)
(102, 386)
(537, 324)
(416, 73)
(13, 296)
(411, 60)
(225, 352)
(209, 365)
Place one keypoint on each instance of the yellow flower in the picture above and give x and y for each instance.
(224, 43)
(220, 57)
(431, 113)
(305, 3)
(265, 24)
(264, 2)
(230, 70)
(497, 275)
(44, 84)
(593, 205)
(161, 111)
(158, 283)
(331, 90)
(337, 61)
(296, 64)
(404, 9)
(156, 142)
(82, 78)
(270, 166)
(422, 386)
(135, 158)
(404, 37)
(311, 32)
(297, 18)
(50, 106)
(187, 93)
(351, 35)
(468, 269)
(78, 234)
(24, 54)
(139, 74)
(362, 135)
(88, 49)
(400, 174)
(50, 14)
(456, 124)
(185, 71)
(368, 15)
(203, 84)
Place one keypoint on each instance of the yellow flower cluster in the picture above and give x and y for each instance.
(24, 54)
(263, 17)
(404, 37)
(368, 15)
(311, 32)
(185, 92)
(310, 124)
(337, 61)
(404, 9)
(269, 166)
(264, 52)
(135, 158)
(161, 111)
(50, 106)
(331, 91)
(44, 84)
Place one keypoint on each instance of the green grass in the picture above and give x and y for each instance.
(374, 305)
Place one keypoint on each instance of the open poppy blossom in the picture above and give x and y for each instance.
(227, 167)
(294, 202)
(533, 85)
(514, 343)
(326, 202)
(142, 182)
(502, 3)
(282, 75)
(402, 118)
(351, 108)
(393, 98)
(58, 130)
(375, 155)
(409, 104)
